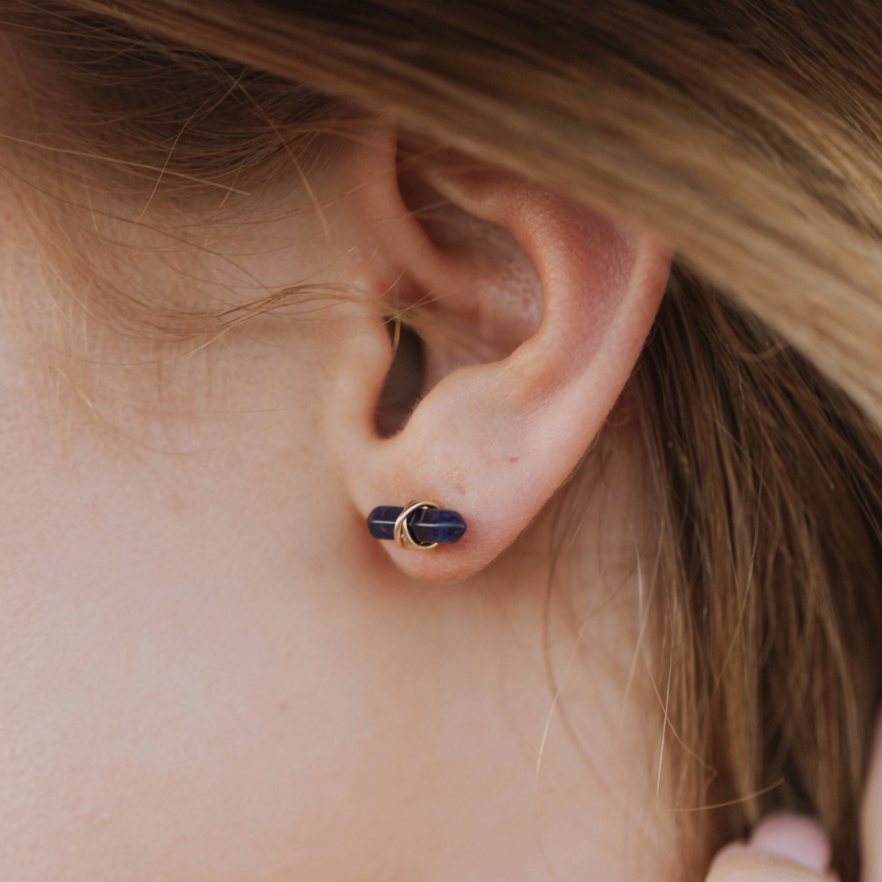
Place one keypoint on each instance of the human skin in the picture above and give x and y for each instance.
(208, 669)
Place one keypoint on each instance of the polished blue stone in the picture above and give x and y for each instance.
(426, 525)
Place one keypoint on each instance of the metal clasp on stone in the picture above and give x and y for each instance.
(424, 526)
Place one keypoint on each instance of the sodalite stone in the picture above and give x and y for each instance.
(426, 525)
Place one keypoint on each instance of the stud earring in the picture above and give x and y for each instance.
(419, 526)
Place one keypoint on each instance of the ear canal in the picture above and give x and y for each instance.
(404, 382)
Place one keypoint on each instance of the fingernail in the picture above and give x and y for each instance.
(795, 837)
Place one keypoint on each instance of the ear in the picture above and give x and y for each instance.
(560, 296)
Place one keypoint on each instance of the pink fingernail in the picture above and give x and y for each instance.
(797, 838)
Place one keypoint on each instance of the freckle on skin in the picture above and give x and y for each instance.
(513, 458)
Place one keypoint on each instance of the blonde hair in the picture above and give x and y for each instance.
(747, 133)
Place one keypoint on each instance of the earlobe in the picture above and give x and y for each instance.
(495, 439)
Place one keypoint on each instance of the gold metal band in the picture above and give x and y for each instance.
(403, 538)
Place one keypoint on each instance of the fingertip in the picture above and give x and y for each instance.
(794, 837)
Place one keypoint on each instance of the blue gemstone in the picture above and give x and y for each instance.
(381, 521)
(426, 525)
